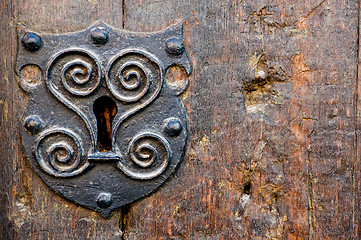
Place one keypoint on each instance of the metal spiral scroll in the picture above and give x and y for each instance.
(59, 153)
(78, 71)
(133, 75)
(148, 156)
(74, 72)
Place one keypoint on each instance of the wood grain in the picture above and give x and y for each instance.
(29, 210)
(272, 120)
(273, 107)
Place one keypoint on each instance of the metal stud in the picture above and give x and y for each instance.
(99, 35)
(174, 46)
(104, 199)
(32, 41)
(172, 127)
(33, 124)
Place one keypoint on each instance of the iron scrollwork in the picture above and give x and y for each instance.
(102, 128)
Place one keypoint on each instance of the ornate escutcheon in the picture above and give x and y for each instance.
(103, 127)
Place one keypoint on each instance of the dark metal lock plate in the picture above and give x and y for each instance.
(102, 128)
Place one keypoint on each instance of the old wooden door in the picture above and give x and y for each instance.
(273, 110)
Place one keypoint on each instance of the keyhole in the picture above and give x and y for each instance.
(104, 109)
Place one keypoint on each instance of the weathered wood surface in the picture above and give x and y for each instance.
(273, 108)
(29, 210)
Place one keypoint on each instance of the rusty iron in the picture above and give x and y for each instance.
(102, 128)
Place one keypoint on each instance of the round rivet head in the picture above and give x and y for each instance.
(104, 199)
(174, 46)
(33, 124)
(172, 127)
(99, 35)
(31, 41)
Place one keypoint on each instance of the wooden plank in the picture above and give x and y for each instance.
(271, 105)
(8, 148)
(29, 210)
(357, 165)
